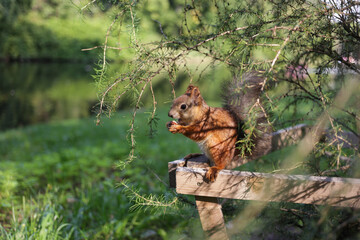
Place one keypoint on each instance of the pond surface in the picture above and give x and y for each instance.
(41, 92)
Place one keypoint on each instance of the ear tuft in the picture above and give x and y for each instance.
(189, 90)
(192, 91)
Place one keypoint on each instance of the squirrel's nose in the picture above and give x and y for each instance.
(170, 115)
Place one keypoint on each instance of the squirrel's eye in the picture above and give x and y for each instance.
(183, 106)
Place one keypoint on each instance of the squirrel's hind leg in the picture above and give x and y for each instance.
(221, 155)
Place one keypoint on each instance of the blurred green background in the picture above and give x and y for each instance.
(58, 174)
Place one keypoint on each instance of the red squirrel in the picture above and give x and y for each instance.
(217, 131)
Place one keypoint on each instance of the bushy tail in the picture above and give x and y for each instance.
(243, 100)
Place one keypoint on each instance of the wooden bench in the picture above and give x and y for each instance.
(334, 191)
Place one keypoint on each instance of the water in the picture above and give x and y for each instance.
(33, 93)
(40, 92)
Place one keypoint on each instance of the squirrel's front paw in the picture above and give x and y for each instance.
(173, 127)
(168, 124)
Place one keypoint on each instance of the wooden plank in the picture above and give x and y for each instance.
(292, 135)
(261, 186)
(288, 136)
(271, 187)
(197, 162)
(172, 166)
(348, 139)
(279, 139)
(211, 217)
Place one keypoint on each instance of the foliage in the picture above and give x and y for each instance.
(285, 39)
(232, 33)
(307, 51)
(12, 9)
(48, 31)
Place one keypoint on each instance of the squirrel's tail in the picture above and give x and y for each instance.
(243, 100)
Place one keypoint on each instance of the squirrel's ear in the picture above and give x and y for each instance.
(189, 90)
(194, 93)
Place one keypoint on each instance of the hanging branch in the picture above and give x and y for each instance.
(228, 33)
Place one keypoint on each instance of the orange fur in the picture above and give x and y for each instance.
(214, 129)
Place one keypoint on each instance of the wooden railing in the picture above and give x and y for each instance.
(334, 191)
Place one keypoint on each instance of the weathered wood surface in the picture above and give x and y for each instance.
(291, 135)
(288, 136)
(211, 217)
(197, 162)
(279, 139)
(189, 179)
(270, 187)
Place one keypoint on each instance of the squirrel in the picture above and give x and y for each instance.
(219, 131)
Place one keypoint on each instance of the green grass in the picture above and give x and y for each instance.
(59, 180)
